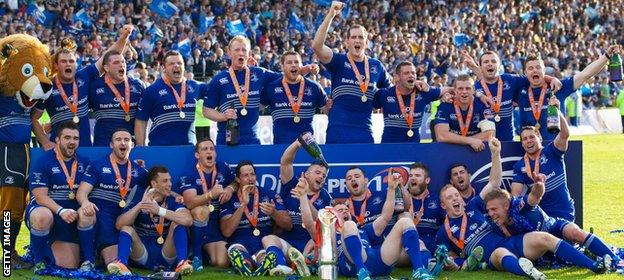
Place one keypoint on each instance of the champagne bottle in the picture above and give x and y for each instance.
(552, 119)
(615, 68)
(399, 204)
(309, 144)
(232, 132)
(165, 275)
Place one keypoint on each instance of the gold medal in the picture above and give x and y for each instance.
(160, 240)
(122, 203)
(210, 208)
(497, 118)
(127, 117)
(244, 112)
(182, 115)
(296, 119)
(256, 232)
(537, 126)
(75, 119)
(410, 133)
(72, 195)
(364, 98)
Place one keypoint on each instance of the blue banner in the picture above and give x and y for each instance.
(294, 22)
(205, 23)
(163, 8)
(323, 3)
(83, 17)
(374, 159)
(460, 39)
(43, 17)
(184, 47)
(235, 27)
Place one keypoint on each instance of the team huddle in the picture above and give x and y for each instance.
(116, 211)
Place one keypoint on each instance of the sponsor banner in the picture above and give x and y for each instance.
(373, 159)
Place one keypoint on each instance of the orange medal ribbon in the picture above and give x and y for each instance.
(160, 226)
(363, 84)
(360, 218)
(536, 107)
(462, 232)
(200, 170)
(180, 98)
(527, 165)
(409, 111)
(73, 105)
(242, 96)
(420, 212)
(499, 93)
(124, 102)
(69, 177)
(253, 216)
(463, 126)
(123, 188)
(294, 105)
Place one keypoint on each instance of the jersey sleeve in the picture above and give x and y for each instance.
(443, 114)
(567, 88)
(91, 174)
(146, 104)
(212, 97)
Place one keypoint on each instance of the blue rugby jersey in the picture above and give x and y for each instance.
(512, 86)
(432, 214)
(60, 113)
(348, 109)
(395, 126)
(556, 201)
(159, 104)
(48, 173)
(285, 130)
(15, 122)
(446, 114)
(222, 95)
(108, 112)
(526, 113)
(191, 180)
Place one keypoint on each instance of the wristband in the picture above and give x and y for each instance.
(58, 212)
(162, 211)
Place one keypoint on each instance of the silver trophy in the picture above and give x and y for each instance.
(328, 253)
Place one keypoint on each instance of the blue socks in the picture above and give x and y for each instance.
(86, 237)
(198, 230)
(354, 248)
(597, 247)
(412, 247)
(281, 259)
(425, 256)
(123, 248)
(180, 241)
(39, 240)
(510, 264)
(566, 252)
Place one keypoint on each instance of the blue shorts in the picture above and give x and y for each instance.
(555, 227)
(374, 264)
(106, 234)
(348, 134)
(373, 239)
(430, 242)
(213, 231)
(514, 244)
(252, 245)
(155, 258)
(60, 231)
(299, 244)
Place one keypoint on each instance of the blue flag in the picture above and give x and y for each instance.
(184, 47)
(483, 6)
(43, 17)
(205, 23)
(163, 8)
(83, 17)
(327, 3)
(460, 39)
(255, 22)
(324, 3)
(294, 22)
(235, 27)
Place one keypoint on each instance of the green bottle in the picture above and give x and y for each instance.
(552, 119)
(615, 68)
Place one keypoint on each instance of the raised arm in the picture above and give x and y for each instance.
(561, 140)
(537, 190)
(323, 52)
(119, 45)
(496, 171)
(595, 67)
(388, 208)
(286, 162)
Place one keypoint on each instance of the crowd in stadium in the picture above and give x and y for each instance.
(138, 69)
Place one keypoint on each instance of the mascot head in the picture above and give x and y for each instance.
(24, 69)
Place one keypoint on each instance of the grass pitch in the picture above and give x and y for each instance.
(603, 193)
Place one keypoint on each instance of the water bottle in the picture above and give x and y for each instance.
(615, 68)
(553, 124)
(232, 132)
(309, 144)
(165, 275)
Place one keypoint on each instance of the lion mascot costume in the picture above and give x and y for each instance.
(24, 68)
